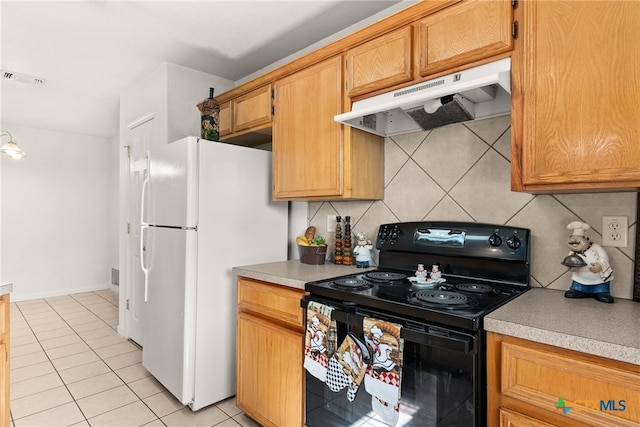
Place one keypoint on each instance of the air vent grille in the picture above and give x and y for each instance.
(431, 84)
(370, 121)
(22, 78)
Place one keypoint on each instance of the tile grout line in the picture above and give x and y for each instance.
(92, 349)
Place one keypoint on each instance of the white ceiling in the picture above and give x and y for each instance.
(90, 51)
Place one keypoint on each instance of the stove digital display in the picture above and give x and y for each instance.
(439, 237)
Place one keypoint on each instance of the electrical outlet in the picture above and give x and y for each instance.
(615, 231)
(331, 223)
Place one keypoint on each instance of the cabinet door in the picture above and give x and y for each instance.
(380, 63)
(225, 119)
(252, 110)
(307, 141)
(463, 33)
(270, 373)
(576, 96)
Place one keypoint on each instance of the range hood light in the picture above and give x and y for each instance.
(432, 105)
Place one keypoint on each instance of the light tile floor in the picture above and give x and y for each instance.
(69, 367)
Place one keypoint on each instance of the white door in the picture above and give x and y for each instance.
(141, 135)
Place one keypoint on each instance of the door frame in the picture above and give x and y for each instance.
(125, 260)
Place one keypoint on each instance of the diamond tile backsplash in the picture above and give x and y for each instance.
(461, 172)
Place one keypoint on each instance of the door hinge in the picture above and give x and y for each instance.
(514, 4)
(127, 304)
(273, 94)
(128, 228)
(128, 147)
(514, 29)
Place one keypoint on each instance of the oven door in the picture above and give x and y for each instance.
(439, 385)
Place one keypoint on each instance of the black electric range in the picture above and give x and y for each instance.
(483, 267)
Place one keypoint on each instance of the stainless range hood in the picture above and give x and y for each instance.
(479, 92)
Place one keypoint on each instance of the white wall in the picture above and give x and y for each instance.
(57, 214)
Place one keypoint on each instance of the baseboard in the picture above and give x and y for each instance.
(17, 297)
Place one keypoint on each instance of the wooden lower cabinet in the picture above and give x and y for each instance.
(514, 419)
(270, 340)
(4, 360)
(533, 384)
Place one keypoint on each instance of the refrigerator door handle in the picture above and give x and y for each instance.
(144, 226)
(145, 270)
(145, 184)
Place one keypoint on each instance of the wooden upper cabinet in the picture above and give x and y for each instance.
(246, 119)
(225, 119)
(380, 63)
(307, 141)
(252, 109)
(576, 96)
(313, 158)
(463, 33)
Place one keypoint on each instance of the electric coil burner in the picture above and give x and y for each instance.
(443, 376)
(386, 278)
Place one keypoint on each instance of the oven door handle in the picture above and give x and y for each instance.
(432, 336)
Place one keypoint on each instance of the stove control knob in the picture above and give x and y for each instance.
(513, 242)
(495, 240)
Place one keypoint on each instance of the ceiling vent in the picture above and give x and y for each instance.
(22, 78)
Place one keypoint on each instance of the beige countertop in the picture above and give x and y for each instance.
(294, 273)
(540, 315)
(6, 288)
(585, 325)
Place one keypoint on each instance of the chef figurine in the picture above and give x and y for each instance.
(362, 251)
(421, 273)
(591, 279)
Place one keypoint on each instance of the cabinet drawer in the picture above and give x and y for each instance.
(279, 303)
(514, 419)
(598, 395)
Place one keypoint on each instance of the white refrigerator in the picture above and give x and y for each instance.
(206, 207)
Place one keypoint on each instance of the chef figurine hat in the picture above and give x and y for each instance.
(578, 228)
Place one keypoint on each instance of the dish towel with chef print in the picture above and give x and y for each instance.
(383, 377)
(348, 366)
(320, 339)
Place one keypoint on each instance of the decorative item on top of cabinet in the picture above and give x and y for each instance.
(380, 63)
(463, 33)
(313, 159)
(538, 382)
(576, 96)
(210, 121)
(270, 342)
